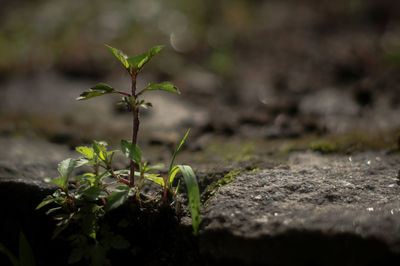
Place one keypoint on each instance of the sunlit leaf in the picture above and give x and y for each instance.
(66, 167)
(86, 151)
(177, 150)
(157, 180)
(98, 90)
(193, 195)
(123, 58)
(100, 149)
(131, 151)
(136, 63)
(172, 175)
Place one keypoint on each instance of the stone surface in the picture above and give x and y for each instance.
(323, 210)
(313, 210)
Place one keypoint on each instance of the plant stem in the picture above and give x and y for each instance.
(135, 118)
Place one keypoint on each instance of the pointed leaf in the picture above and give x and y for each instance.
(163, 86)
(59, 181)
(158, 166)
(123, 58)
(116, 199)
(155, 50)
(177, 150)
(53, 210)
(25, 252)
(137, 62)
(66, 167)
(49, 199)
(157, 180)
(86, 151)
(83, 161)
(100, 149)
(193, 195)
(172, 175)
(98, 90)
(94, 193)
(131, 151)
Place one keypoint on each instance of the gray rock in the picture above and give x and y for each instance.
(326, 210)
(24, 163)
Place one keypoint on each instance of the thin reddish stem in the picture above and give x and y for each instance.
(135, 119)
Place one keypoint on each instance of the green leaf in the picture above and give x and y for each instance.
(157, 180)
(177, 150)
(158, 166)
(123, 58)
(136, 63)
(11, 257)
(66, 167)
(94, 193)
(60, 181)
(155, 50)
(163, 86)
(49, 199)
(53, 210)
(86, 151)
(98, 90)
(172, 175)
(100, 149)
(131, 151)
(193, 195)
(26, 257)
(116, 199)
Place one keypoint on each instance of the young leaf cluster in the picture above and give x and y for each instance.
(84, 199)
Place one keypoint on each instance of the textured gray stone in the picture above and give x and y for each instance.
(319, 209)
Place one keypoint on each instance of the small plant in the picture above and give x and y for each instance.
(86, 198)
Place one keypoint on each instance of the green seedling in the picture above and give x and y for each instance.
(86, 198)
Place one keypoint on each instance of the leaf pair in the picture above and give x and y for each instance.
(136, 63)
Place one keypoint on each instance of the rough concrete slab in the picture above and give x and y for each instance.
(319, 210)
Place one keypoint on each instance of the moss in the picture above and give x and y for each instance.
(233, 151)
(324, 146)
(213, 187)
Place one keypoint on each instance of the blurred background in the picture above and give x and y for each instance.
(291, 74)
